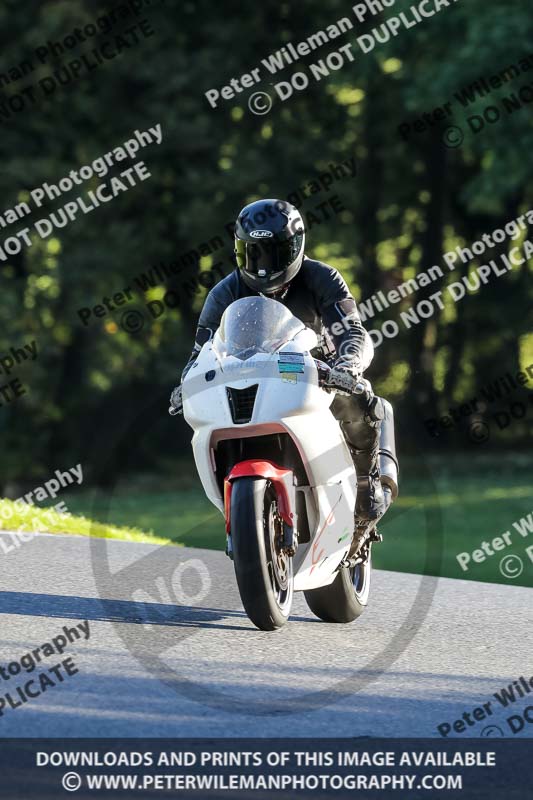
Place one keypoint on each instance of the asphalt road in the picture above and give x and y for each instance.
(171, 652)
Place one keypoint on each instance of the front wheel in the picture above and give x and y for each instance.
(264, 573)
(345, 599)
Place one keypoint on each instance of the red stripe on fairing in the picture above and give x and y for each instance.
(330, 520)
(256, 468)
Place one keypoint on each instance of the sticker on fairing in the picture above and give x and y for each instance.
(289, 377)
(291, 362)
(291, 358)
(290, 367)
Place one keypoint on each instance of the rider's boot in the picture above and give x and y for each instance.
(370, 504)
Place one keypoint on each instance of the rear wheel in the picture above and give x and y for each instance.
(264, 573)
(346, 598)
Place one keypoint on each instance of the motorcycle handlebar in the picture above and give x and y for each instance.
(323, 376)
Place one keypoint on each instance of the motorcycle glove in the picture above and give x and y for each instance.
(349, 364)
(343, 380)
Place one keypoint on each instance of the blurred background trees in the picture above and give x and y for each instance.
(409, 202)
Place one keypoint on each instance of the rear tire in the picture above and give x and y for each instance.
(346, 598)
(264, 574)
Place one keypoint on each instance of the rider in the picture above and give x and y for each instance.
(269, 250)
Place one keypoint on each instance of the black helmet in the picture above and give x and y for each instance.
(269, 244)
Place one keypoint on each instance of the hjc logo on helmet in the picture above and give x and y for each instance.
(261, 234)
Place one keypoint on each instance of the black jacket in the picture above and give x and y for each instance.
(318, 295)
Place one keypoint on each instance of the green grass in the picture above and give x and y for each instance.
(447, 506)
(25, 520)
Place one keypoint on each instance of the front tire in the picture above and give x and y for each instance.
(346, 598)
(264, 574)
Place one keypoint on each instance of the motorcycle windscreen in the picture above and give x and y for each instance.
(255, 325)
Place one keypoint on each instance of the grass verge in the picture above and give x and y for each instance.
(446, 507)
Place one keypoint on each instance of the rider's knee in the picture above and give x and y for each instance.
(370, 407)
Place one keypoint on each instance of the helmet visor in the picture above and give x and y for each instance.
(265, 259)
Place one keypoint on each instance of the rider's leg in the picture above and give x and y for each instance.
(360, 417)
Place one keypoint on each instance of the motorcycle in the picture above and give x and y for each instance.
(273, 459)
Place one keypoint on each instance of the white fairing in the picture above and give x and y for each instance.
(286, 401)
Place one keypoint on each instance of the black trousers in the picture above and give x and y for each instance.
(361, 432)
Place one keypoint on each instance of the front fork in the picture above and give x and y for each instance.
(283, 481)
(289, 542)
